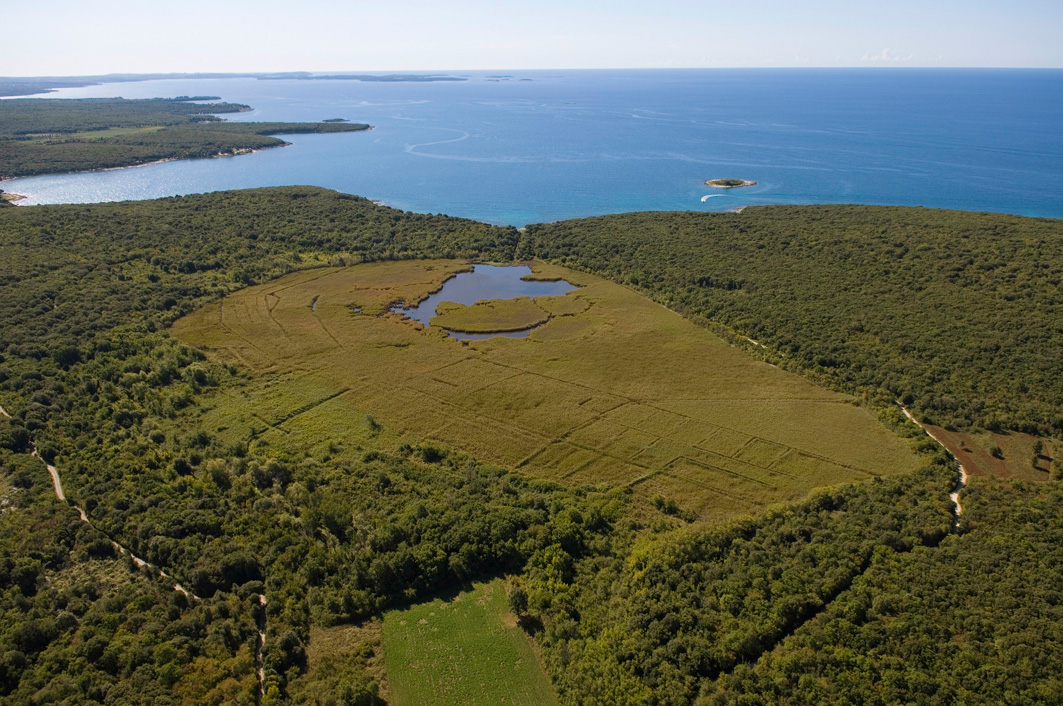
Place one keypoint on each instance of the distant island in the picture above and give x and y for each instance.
(53, 136)
(384, 78)
(729, 183)
(25, 86)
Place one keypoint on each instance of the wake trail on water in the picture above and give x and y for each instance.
(412, 149)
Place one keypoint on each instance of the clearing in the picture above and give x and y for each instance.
(613, 388)
(1005, 455)
(463, 650)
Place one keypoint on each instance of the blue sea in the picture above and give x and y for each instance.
(535, 146)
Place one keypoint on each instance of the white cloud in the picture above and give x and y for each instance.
(886, 54)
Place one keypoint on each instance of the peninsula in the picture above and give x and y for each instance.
(26, 86)
(50, 136)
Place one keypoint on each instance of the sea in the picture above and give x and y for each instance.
(534, 146)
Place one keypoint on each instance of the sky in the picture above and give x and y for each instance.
(66, 38)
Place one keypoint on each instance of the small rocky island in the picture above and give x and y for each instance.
(729, 183)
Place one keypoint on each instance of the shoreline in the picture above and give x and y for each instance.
(238, 152)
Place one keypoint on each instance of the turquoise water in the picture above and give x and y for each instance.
(487, 282)
(581, 143)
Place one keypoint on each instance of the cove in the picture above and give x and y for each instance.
(570, 144)
(487, 282)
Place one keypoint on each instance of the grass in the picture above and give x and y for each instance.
(492, 316)
(464, 650)
(612, 388)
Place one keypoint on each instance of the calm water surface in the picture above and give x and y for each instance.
(487, 282)
(578, 143)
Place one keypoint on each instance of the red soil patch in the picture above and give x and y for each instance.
(1017, 451)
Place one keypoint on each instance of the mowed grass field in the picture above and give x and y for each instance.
(612, 388)
(463, 651)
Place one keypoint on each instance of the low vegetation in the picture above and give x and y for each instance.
(463, 649)
(491, 316)
(624, 391)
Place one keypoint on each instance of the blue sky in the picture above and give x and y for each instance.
(62, 37)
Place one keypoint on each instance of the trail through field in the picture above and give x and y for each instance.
(961, 479)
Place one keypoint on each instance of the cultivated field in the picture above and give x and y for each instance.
(612, 388)
(463, 651)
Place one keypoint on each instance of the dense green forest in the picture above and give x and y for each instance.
(81, 624)
(813, 602)
(45, 136)
(976, 621)
(957, 314)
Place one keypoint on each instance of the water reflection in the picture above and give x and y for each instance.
(488, 282)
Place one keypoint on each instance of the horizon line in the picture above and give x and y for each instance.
(872, 66)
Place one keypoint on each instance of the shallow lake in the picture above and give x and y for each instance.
(487, 282)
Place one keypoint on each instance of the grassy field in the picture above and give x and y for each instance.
(494, 316)
(613, 388)
(464, 650)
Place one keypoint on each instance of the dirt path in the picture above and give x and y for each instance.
(261, 668)
(57, 486)
(961, 479)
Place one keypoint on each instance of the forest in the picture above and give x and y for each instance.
(48, 136)
(956, 314)
(871, 593)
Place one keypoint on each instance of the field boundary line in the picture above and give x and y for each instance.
(709, 487)
(325, 328)
(811, 454)
(709, 466)
(642, 479)
(828, 459)
(307, 407)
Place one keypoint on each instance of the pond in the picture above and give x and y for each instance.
(483, 283)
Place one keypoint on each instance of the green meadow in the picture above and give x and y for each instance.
(465, 650)
(612, 388)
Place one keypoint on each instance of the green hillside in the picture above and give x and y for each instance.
(865, 592)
